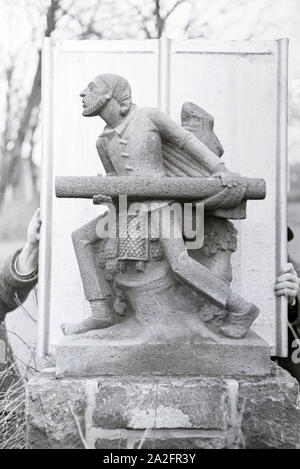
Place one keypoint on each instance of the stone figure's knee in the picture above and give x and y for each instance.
(75, 236)
(87, 233)
(79, 236)
(179, 261)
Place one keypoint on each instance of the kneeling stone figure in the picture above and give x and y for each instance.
(145, 142)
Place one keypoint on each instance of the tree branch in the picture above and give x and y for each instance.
(174, 7)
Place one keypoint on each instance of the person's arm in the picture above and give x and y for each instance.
(27, 261)
(20, 272)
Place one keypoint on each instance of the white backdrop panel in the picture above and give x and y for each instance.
(237, 82)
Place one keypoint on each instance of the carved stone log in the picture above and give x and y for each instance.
(188, 188)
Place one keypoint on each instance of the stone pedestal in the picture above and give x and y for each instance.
(162, 333)
(126, 351)
(164, 412)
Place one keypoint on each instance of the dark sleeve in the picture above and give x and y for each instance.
(13, 287)
(294, 311)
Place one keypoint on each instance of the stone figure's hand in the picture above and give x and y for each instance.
(101, 199)
(27, 260)
(228, 178)
(288, 284)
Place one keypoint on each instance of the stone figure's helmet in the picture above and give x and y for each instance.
(102, 89)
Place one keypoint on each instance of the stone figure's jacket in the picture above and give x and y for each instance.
(149, 142)
(134, 147)
(14, 288)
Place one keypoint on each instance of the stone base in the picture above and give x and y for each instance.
(125, 349)
(163, 412)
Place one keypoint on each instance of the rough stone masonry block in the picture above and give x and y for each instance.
(200, 442)
(270, 410)
(50, 422)
(164, 412)
(167, 439)
(114, 410)
(116, 443)
(169, 402)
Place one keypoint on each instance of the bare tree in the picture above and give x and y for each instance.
(98, 19)
(21, 122)
(153, 16)
(234, 19)
(17, 139)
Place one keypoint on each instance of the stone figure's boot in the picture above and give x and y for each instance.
(241, 316)
(101, 317)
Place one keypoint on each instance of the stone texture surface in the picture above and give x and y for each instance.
(185, 443)
(150, 187)
(271, 411)
(122, 351)
(161, 403)
(50, 422)
(166, 439)
(164, 412)
(117, 443)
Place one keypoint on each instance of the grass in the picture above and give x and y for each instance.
(12, 409)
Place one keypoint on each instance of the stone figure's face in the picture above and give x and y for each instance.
(94, 97)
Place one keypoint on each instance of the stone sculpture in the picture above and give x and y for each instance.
(149, 283)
